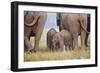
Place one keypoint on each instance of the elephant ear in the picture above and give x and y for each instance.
(33, 22)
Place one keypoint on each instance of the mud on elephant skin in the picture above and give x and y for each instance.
(50, 35)
(63, 40)
(33, 24)
(76, 24)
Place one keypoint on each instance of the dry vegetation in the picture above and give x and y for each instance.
(44, 54)
(41, 56)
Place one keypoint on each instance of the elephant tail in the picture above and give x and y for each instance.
(81, 24)
(33, 22)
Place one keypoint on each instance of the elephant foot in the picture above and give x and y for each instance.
(72, 48)
(29, 52)
(32, 50)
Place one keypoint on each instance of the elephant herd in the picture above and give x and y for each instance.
(71, 25)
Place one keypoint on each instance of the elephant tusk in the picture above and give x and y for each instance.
(33, 22)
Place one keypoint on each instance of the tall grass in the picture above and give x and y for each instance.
(68, 55)
(44, 54)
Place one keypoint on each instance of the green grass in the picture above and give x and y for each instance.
(44, 54)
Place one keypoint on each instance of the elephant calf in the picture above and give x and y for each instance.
(62, 40)
(50, 35)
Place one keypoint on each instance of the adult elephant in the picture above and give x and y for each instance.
(33, 25)
(76, 24)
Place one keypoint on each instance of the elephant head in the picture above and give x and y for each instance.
(55, 41)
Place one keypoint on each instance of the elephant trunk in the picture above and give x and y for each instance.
(33, 22)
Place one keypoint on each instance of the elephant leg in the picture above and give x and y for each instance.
(25, 47)
(75, 42)
(83, 35)
(48, 43)
(39, 31)
(66, 47)
(71, 45)
(52, 47)
(27, 43)
(70, 48)
(36, 44)
(62, 46)
(86, 39)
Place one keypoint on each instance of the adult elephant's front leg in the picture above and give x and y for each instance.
(27, 43)
(39, 30)
(37, 38)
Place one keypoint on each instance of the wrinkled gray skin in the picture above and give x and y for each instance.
(50, 35)
(76, 24)
(33, 26)
(62, 40)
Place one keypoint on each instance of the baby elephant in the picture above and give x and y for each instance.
(50, 35)
(62, 40)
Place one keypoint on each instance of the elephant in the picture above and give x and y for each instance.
(34, 22)
(50, 35)
(76, 24)
(63, 40)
